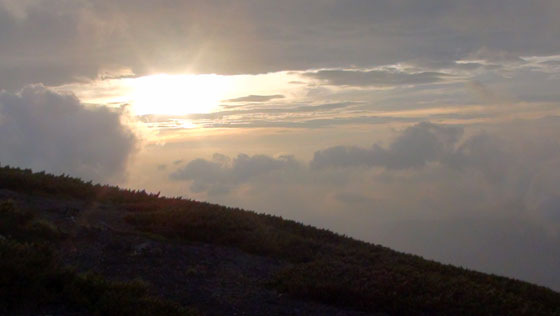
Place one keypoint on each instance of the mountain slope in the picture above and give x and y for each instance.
(216, 260)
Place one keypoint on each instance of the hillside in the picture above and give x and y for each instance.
(69, 247)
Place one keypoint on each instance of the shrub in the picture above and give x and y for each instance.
(24, 226)
(31, 281)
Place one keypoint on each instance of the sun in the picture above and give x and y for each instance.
(177, 94)
(182, 94)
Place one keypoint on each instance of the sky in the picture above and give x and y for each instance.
(431, 127)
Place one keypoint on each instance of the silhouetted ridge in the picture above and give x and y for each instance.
(308, 263)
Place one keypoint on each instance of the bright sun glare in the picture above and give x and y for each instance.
(177, 94)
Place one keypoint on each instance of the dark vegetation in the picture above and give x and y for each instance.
(318, 265)
(33, 281)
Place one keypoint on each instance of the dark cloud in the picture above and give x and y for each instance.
(381, 78)
(255, 98)
(44, 130)
(416, 146)
(217, 175)
(60, 41)
(483, 152)
(499, 159)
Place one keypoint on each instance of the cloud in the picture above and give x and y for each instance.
(506, 156)
(507, 169)
(415, 147)
(355, 200)
(252, 111)
(220, 173)
(511, 247)
(44, 130)
(274, 110)
(482, 152)
(255, 98)
(262, 116)
(488, 96)
(59, 41)
(497, 157)
(310, 123)
(551, 62)
(494, 56)
(372, 78)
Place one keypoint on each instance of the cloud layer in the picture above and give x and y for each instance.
(255, 98)
(415, 147)
(55, 41)
(218, 175)
(47, 131)
(374, 77)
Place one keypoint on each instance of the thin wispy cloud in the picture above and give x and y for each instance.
(255, 98)
(373, 78)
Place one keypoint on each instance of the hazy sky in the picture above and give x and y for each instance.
(428, 126)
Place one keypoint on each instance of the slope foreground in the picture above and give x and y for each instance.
(70, 247)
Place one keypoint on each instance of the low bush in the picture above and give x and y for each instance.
(33, 282)
(24, 225)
